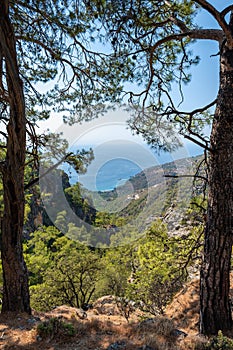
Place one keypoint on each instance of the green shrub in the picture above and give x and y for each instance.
(220, 342)
(53, 326)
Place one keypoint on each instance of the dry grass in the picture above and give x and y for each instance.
(184, 310)
(95, 332)
(157, 333)
(103, 327)
(193, 342)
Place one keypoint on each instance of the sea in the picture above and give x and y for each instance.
(116, 162)
(112, 174)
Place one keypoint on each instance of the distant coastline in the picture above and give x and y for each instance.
(118, 160)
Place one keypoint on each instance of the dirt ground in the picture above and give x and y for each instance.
(104, 328)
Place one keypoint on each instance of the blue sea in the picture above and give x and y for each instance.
(112, 174)
(115, 162)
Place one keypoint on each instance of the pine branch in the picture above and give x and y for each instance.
(190, 138)
(36, 180)
(204, 34)
(226, 10)
(176, 176)
(3, 134)
(219, 18)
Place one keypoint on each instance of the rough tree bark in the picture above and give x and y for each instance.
(15, 277)
(215, 272)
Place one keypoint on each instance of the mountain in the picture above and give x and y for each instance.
(151, 194)
(158, 192)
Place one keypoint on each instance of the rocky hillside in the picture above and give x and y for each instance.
(157, 192)
(104, 327)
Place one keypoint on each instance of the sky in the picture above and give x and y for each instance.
(203, 87)
(202, 90)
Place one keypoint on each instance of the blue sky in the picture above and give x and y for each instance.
(204, 84)
(201, 91)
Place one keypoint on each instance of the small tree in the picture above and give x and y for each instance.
(73, 277)
(61, 270)
(163, 261)
(116, 271)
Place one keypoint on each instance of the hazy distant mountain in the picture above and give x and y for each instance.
(149, 194)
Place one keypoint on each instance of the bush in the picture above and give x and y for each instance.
(220, 342)
(53, 327)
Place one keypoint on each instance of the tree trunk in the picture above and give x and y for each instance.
(215, 311)
(15, 278)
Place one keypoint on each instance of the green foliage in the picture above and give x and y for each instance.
(103, 219)
(220, 342)
(80, 160)
(42, 297)
(116, 270)
(61, 221)
(73, 275)
(59, 49)
(153, 259)
(106, 219)
(62, 271)
(74, 194)
(134, 208)
(53, 193)
(164, 261)
(52, 50)
(79, 234)
(53, 327)
(39, 251)
(144, 33)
